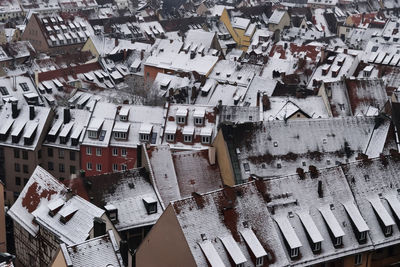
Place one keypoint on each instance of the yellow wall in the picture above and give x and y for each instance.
(224, 160)
(322, 93)
(89, 46)
(238, 35)
(285, 22)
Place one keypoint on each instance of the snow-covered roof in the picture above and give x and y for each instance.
(276, 16)
(43, 191)
(129, 189)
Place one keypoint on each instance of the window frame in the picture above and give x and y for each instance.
(88, 150)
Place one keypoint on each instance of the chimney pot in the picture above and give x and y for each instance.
(67, 115)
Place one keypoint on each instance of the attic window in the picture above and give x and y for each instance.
(246, 167)
(316, 247)
(294, 252)
(3, 90)
(24, 86)
(259, 261)
(338, 241)
(67, 213)
(181, 119)
(92, 134)
(112, 212)
(279, 165)
(388, 230)
(123, 118)
(275, 144)
(150, 205)
(366, 177)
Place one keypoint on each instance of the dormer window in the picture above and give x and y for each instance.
(206, 134)
(112, 212)
(198, 121)
(180, 119)
(294, 252)
(92, 134)
(170, 137)
(388, 230)
(170, 132)
(259, 261)
(338, 241)
(188, 133)
(144, 137)
(150, 205)
(316, 247)
(181, 115)
(362, 236)
(120, 135)
(145, 132)
(124, 113)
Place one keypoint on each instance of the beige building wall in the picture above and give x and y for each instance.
(59, 260)
(224, 160)
(285, 22)
(165, 245)
(3, 244)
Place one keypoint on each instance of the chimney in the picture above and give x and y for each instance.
(99, 227)
(31, 112)
(116, 42)
(320, 192)
(67, 115)
(69, 194)
(14, 109)
(123, 248)
(192, 54)
(141, 54)
(139, 156)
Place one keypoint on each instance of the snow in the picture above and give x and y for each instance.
(381, 211)
(277, 16)
(310, 226)
(332, 222)
(356, 217)
(145, 128)
(121, 127)
(288, 232)
(394, 204)
(233, 249)
(188, 130)
(170, 129)
(212, 255)
(253, 242)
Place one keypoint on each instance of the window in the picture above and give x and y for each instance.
(50, 166)
(363, 236)
(144, 137)
(180, 119)
(275, 144)
(187, 138)
(170, 137)
(198, 121)
(123, 118)
(115, 167)
(259, 261)
(358, 259)
(88, 150)
(3, 90)
(98, 167)
(25, 168)
(123, 152)
(294, 252)
(16, 153)
(279, 165)
(115, 152)
(98, 151)
(317, 246)
(120, 135)
(50, 152)
(72, 169)
(338, 241)
(89, 165)
(60, 153)
(388, 230)
(72, 155)
(17, 180)
(61, 167)
(205, 139)
(92, 134)
(123, 167)
(24, 86)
